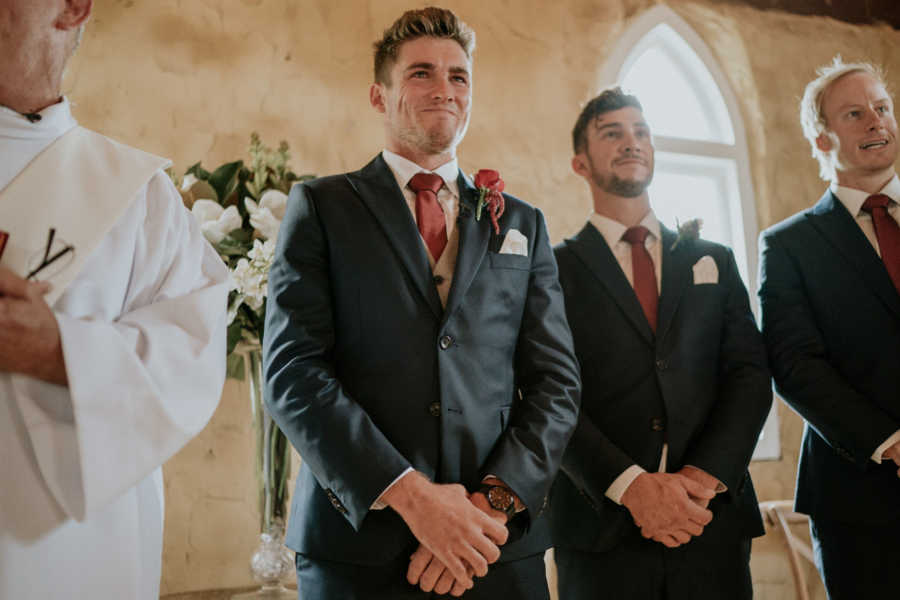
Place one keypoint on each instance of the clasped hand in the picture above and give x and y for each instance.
(671, 508)
(459, 534)
(29, 334)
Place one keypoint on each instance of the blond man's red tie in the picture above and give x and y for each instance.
(888, 233)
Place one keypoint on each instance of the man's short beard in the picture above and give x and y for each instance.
(429, 142)
(626, 188)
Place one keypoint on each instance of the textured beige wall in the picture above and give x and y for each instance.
(190, 79)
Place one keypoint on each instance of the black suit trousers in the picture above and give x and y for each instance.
(641, 569)
(857, 560)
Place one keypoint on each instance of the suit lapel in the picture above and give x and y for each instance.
(676, 274)
(378, 189)
(473, 242)
(590, 247)
(832, 220)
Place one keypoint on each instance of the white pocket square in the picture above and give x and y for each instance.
(514, 243)
(706, 271)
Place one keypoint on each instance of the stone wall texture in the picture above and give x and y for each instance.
(191, 79)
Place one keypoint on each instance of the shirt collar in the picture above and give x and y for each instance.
(612, 231)
(853, 199)
(404, 169)
(56, 119)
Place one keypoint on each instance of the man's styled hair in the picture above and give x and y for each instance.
(811, 117)
(431, 22)
(610, 99)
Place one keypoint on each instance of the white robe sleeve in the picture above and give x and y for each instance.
(143, 336)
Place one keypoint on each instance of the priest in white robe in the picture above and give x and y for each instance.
(112, 352)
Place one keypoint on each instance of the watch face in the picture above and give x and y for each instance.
(500, 498)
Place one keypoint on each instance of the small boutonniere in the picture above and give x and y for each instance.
(490, 187)
(687, 231)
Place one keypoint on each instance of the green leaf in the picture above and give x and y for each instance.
(225, 179)
(197, 171)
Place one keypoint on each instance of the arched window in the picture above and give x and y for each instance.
(702, 165)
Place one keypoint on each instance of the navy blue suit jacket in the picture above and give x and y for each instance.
(700, 384)
(831, 321)
(367, 374)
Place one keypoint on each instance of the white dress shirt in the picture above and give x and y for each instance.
(853, 199)
(142, 328)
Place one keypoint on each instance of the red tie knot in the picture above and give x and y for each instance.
(875, 201)
(636, 235)
(429, 182)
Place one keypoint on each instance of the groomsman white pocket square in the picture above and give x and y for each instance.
(706, 271)
(514, 243)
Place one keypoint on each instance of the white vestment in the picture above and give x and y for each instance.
(143, 335)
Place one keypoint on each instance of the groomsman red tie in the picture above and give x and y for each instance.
(643, 272)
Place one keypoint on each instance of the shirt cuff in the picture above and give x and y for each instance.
(880, 450)
(617, 488)
(379, 503)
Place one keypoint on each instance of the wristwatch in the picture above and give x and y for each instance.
(500, 498)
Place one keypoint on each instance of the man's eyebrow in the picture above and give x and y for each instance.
(459, 70)
(420, 65)
(599, 125)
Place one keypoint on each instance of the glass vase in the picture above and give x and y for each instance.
(272, 562)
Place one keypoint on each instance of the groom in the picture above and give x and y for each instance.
(417, 353)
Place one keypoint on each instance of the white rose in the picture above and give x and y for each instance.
(215, 221)
(266, 216)
(275, 201)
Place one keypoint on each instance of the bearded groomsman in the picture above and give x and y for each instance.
(654, 500)
(417, 353)
(830, 294)
(112, 331)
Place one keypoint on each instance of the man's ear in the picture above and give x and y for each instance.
(74, 14)
(824, 142)
(376, 97)
(579, 165)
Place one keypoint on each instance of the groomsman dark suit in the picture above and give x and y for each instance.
(831, 320)
(685, 384)
(385, 367)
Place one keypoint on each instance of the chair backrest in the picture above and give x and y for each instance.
(780, 514)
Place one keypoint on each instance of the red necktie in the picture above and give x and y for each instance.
(429, 214)
(888, 233)
(643, 273)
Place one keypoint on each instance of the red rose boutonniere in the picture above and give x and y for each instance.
(490, 187)
(687, 231)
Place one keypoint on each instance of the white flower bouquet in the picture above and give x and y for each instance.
(239, 208)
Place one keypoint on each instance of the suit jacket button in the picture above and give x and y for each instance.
(434, 409)
(661, 364)
(438, 279)
(445, 342)
(656, 424)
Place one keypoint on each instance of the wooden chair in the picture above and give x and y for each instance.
(779, 514)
